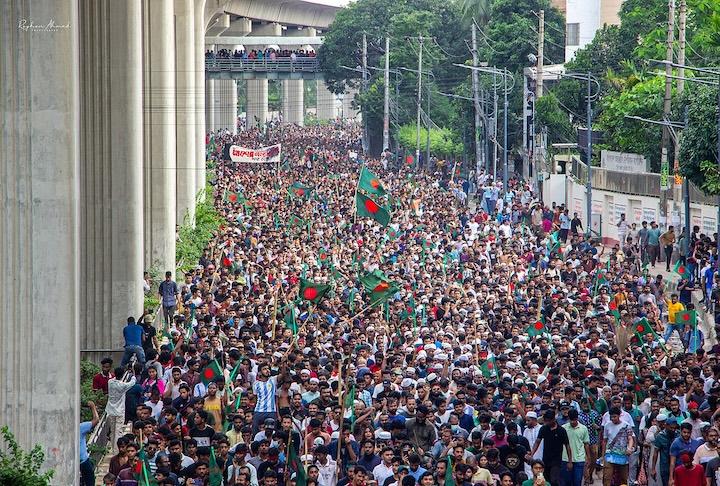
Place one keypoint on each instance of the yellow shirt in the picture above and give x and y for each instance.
(673, 309)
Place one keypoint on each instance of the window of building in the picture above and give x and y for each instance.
(572, 34)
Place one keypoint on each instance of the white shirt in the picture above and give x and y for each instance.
(327, 476)
(116, 396)
(381, 472)
(531, 434)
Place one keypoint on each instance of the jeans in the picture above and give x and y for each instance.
(668, 256)
(87, 473)
(654, 253)
(168, 313)
(129, 351)
(573, 477)
(674, 327)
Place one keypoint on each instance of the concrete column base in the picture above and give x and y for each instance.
(225, 104)
(293, 101)
(326, 104)
(257, 102)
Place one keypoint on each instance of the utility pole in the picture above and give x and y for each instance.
(682, 17)
(664, 165)
(588, 183)
(419, 101)
(505, 134)
(427, 114)
(476, 102)
(386, 118)
(540, 55)
(366, 144)
(495, 124)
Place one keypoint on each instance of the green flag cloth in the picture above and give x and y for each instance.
(393, 235)
(681, 270)
(379, 286)
(614, 308)
(290, 321)
(686, 317)
(141, 470)
(449, 477)
(312, 291)
(370, 183)
(643, 327)
(537, 328)
(233, 197)
(488, 368)
(298, 189)
(215, 472)
(211, 372)
(296, 220)
(368, 208)
(294, 464)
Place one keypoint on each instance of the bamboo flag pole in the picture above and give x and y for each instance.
(341, 420)
(275, 311)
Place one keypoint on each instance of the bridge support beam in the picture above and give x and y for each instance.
(39, 210)
(111, 170)
(225, 104)
(257, 102)
(199, 21)
(293, 101)
(186, 131)
(326, 106)
(160, 136)
(210, 104)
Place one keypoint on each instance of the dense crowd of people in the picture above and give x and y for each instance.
(512, 350)
(269, 53)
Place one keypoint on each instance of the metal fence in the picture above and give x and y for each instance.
(284, 64)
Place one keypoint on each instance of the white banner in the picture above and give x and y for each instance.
(262, 155)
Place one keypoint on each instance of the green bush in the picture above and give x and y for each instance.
(89, 369)
(193, 239)
(151, 303)
(21, 468)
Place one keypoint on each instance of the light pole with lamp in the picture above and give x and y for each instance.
(427, 115)
(715, 73)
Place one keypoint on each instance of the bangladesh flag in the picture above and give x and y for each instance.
(294, 464)
(233, 197)
(295, 220)
(614, 308)
(370, 183)
(537, 328)
(211, 372)
(215, 472)
(312, 291)
(643, 327)
(323, 256)
(488, 368)
(298, 189)
(449, 477)
(686, 317)
(393, 234)
(290, 321)
(681, 270)
(141, 470)
(379, 286)
(370, 209)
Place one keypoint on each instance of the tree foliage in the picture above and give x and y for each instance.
(698, 145)
(443, 142)
(549, 114)
(21, 468)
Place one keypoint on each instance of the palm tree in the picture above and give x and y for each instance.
(476, 9)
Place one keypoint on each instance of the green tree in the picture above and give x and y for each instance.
(644, 99)
(549, 114)
(20, 468)
(698, 144)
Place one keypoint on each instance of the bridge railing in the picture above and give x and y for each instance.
(283, 64)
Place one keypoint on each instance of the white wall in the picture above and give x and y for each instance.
(587, 14)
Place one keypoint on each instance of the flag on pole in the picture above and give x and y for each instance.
(368, 208)
(211, 372)
(215, 472)
(643, 327)
(537, 328)
(379, 286)
(290, 321)
(294, 464)
(312, 291)
(686, 317)
(370, 183)
(681, 270)
(141, 470)
(298, 189)
(232, 196)
(449, 477)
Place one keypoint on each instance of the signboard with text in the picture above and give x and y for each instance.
(262, 155)
(622, 161)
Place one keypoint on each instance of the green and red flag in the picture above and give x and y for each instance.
(393, 234)
(488, 368)
(614, 308)
(211, 372)
(215, 472)
(295, 220)
(379, 286)
(232, 196)
(324, 256)
(537, 328)
(643, 327)
(298, 189)
(686, 318)
(370, 183)
(312, 291)
(449, 476)
(141, 469)
(368, 208)
(682, 270)
(295, 465)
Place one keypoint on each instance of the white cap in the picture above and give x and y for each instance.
(432, 377)
(407, 382)
(531, 415)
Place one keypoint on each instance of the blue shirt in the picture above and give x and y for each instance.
(679, 446)
(85, 429)
(168, 290)
(133, 335)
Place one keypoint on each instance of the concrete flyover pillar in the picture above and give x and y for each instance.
(257, 102)
(210, 105)
(225, 104)
(199, 38)
(293, 101)
(326, 104)
(39, 211)
(111, 170)
(160, 137)
(186, 131)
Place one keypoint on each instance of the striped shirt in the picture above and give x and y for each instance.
(265, 392)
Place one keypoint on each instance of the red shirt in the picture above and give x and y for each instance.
(693, 476)
(100, 382)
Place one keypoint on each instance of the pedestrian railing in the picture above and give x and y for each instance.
(283, 64)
